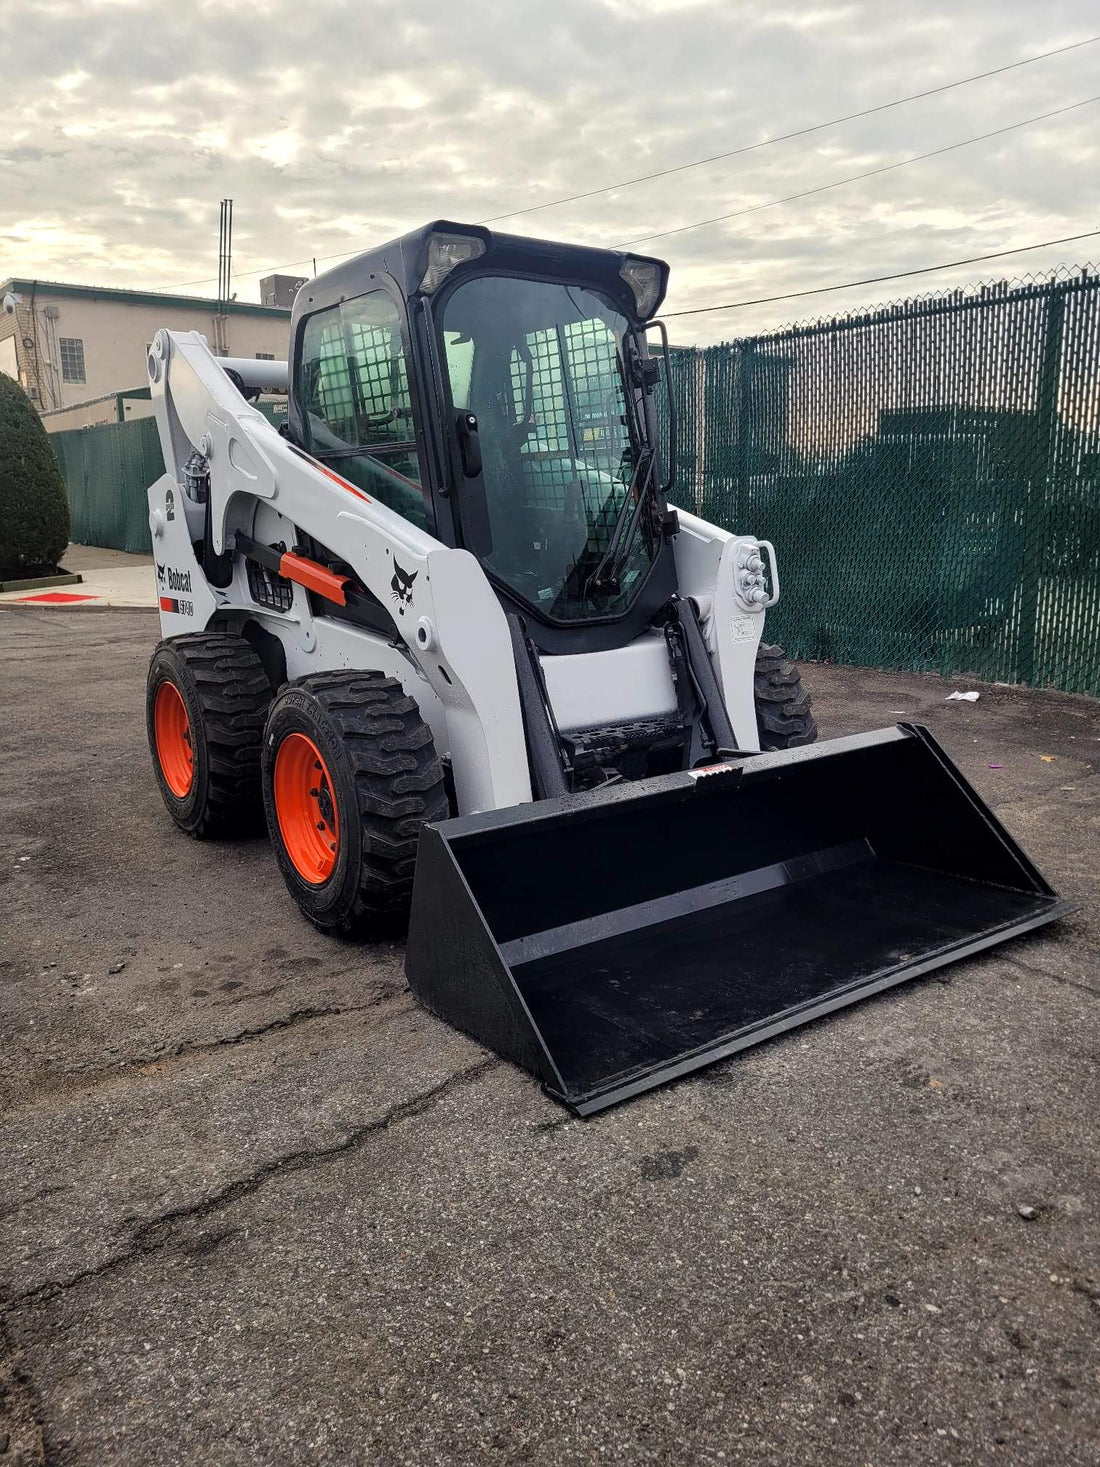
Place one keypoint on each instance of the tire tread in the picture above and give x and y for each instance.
(399, 786)
(234, 693)
(784, 716)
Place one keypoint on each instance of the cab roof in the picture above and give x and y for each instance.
(405, 260)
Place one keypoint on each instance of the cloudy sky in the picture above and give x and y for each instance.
(336, 124)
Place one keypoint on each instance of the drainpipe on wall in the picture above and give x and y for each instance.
(41, 378)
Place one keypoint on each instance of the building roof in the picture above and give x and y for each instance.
(140, 297)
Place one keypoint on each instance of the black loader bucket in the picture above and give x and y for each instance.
(612, 941)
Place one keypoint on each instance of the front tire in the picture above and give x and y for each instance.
(205, 701)
(784, 718)
(349, 774)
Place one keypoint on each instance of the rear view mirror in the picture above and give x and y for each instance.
(670, 407)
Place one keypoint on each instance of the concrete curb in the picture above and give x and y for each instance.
(42, 583)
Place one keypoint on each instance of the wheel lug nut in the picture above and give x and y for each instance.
(320, 825)
(314, 793)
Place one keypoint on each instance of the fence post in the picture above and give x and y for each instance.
(700, 426)
(85, 495)
(746, 366)
(1039, 488)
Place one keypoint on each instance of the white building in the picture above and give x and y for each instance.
(82, 347)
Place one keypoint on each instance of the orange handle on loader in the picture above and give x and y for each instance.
(314, 577)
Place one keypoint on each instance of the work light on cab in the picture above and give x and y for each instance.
(646, 280)
(445, 253)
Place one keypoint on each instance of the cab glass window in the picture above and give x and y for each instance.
(354, 388)
(541, 364)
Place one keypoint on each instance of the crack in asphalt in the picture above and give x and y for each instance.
(260, 1031)
(127, 1070)
(156, 1233)
(250, 995)
(1037, 972)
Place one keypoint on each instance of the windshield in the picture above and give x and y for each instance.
(541, 365)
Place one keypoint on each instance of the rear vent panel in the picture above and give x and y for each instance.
(269, 589)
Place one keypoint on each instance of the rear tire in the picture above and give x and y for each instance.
(206, 697)
(349, 774)
(784, 718)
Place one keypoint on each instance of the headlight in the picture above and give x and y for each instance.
(644, 279)
(445, 253)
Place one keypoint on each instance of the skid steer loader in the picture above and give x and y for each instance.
(446, 628)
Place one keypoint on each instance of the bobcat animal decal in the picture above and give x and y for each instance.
(401, 585)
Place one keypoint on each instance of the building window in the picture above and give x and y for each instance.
(265, 356)
(72, 359)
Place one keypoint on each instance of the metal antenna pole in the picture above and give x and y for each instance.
(228, 272)
(225, 274)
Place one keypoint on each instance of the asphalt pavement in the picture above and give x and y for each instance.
(257, 1207)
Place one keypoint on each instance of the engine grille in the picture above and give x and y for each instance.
(268, 588)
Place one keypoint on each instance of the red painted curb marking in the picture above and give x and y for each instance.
(57, 596)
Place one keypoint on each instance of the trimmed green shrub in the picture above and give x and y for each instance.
(34, 508)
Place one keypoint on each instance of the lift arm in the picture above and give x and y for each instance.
(227, 468)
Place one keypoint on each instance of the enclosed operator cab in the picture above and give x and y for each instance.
(499, 392)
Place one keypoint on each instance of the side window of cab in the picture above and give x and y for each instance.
(353, 384)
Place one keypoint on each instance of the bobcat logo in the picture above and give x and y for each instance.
(402, 587)
(160, 575)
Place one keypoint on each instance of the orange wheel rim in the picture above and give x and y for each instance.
(172, 728)
(305, 805)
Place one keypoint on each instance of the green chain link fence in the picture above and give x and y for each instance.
(107, 470)
(929, 473)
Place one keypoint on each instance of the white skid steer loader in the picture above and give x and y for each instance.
(446, 628)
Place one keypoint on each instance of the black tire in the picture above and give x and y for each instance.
(784, 718)
(386, 781)
(225, 694)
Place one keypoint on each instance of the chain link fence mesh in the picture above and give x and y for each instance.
(107, 471)
(929, 473)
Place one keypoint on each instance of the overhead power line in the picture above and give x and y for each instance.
(694, 163)
(787, 137)
(764, 300)
(857, 177)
